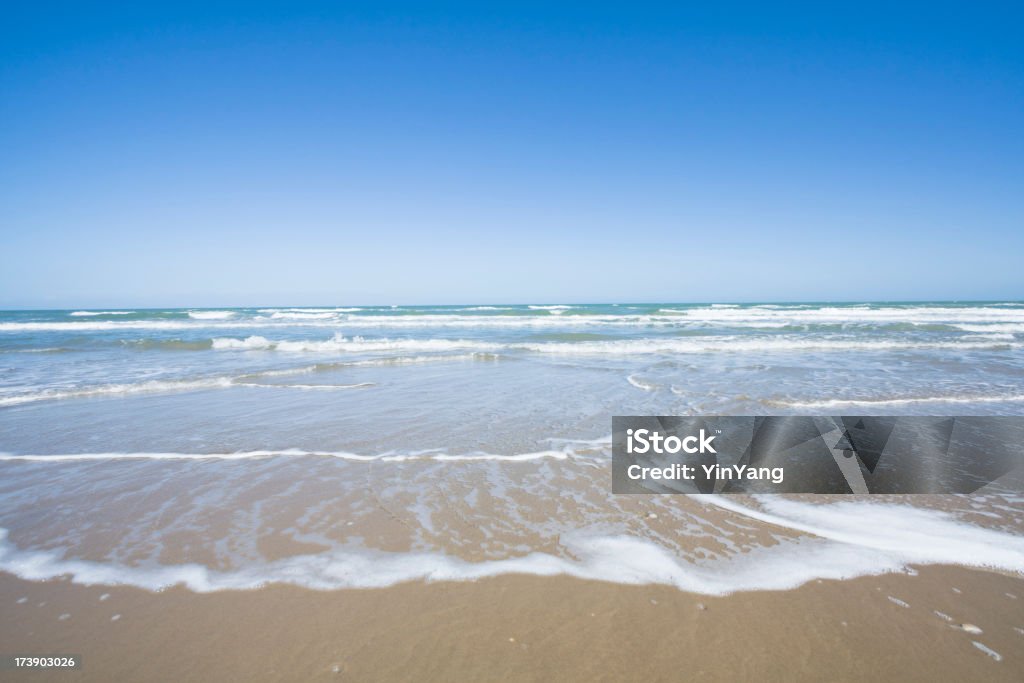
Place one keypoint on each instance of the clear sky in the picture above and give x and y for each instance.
(211, 154)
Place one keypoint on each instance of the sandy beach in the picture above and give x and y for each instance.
(517, 628)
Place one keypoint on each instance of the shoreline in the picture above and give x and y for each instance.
(522, 628)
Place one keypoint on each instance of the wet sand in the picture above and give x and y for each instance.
(519, 628)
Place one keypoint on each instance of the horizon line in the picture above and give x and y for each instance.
(542, 303)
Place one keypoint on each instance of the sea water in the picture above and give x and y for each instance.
(345, 446)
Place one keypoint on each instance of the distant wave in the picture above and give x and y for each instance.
(754, 345)
(356, 344)
(372, 362)
(976, 319)
(247, 344)
(553, 310)
(126, 325)
(211, 315)
(1004, 328)
(303, 315)
(996, 336)
(308, 310)
(96, 325)
(849, 314)
(726, 344)
(90, 313)
(45, 349)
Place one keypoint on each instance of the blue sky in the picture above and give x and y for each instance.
(248, 154)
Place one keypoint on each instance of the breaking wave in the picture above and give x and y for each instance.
(211, 315)
(340, 343)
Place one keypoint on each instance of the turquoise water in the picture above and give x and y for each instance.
(709, 358)
(172, 445)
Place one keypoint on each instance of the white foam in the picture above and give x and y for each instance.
(413, 360)
(30, 394)
(641, 383)
(619, 559)
(94, 326)
(210, 315)
(308, 310)
(390, 456)
(359, 344)
(672, 345)
(1000, 336)
(374, 362)
(248, 344)
(853, 539)
(772, 316)
(458, 321)
(993, 328)
(904, 533)
(855, 314)
(323, 387)
(733, 344)
(304, 315)
(339, 343)
(151, 386)
(987, 650)
(833, 403)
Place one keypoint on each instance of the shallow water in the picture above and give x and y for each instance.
(348, 446)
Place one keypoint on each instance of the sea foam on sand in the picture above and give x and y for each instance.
(843, 540)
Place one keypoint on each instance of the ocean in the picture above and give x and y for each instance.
(364, 446)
